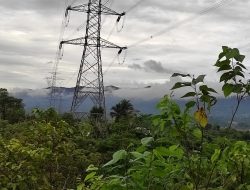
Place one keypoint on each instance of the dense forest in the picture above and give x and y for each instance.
(176, 149)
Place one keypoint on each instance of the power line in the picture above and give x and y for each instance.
(134, 6)
(180, 23)
(53, 89)
(111, 31)
(89, 84)
(122, 26)
(110, 65)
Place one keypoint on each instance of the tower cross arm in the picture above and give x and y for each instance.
(91, 42)
(93, 9)
(106, 44)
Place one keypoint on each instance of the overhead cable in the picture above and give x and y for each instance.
(180, 23)
(110, 65)
(134, 6)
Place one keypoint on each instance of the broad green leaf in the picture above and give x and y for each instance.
(190, 104)
(189, 94)
(227, 76)
(222, 63)
(241, 65)
(238, 68)
(163, 151)
(221, 55)
(180, 85)
(205, 88)
(91, 168)
(227, 89)
(137, 154)
(240, 58)
(117, 156)
(216, 155)
(158, 154)
(212, 90)
(225, 68)
(147, 140)
(225, 49)
(90, 176)
(164, 102)
(238, 88)
(80, 187)
(197, 133)
(232, 53)
(239, 73)
(205, 98)
(213, 101)
(176, 151)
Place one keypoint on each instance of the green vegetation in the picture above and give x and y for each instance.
(122, 110)
(177, 149)
(11, 109)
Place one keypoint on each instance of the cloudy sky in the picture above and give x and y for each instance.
(163, 36)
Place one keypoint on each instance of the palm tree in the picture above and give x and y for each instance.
(96, 113)
(121, 110)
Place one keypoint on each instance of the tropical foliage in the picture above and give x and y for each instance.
(11, 109)
(176, 149)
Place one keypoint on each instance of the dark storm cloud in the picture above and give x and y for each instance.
(152, 66)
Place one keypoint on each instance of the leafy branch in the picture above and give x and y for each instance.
(230, 64)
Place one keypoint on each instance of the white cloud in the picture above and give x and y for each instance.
(30, 29)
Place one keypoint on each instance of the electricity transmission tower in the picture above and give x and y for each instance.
(89, 83)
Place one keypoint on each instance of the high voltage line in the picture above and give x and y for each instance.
(134, 6)
(161, 32)
(180, 23)
(54, 79)
(89, 83)
(168, 29)
(112, 31)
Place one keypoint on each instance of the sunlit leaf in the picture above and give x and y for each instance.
(216, 155)
(117, 156)
(90, 176)
(197, 133)
(201, 117)
(147, 140)
(227, 89)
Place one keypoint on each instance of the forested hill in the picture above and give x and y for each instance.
(221, 112)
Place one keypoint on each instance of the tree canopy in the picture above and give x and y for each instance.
(122, 110)
(11, 109)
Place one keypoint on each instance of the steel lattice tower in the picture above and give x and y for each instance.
(90, 77)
